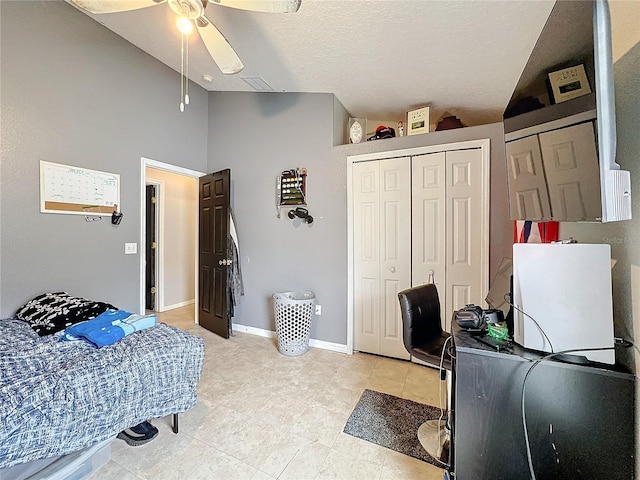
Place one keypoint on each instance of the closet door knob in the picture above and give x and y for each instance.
(392, 269)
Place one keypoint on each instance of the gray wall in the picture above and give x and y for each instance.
(259, 135)
(624, 237)
(73, 92)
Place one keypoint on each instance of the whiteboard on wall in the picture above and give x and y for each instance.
(78, 191)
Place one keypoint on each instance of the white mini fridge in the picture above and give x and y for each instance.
(562, 298)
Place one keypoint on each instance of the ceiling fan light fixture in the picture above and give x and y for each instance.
(190, 12)
(187, 11)
(190, 9)
(184, 25)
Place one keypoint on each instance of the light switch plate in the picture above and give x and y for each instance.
(130, 248)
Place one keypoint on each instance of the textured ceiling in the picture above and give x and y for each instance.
(379, 57)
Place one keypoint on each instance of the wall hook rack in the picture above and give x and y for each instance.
(291, 188)
(302, 213)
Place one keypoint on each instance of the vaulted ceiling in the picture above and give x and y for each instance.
(380, 58)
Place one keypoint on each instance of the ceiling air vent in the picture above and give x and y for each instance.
(258, 84)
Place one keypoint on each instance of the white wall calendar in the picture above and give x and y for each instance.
(78, 191)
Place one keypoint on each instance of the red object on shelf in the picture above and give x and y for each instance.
(526, 231)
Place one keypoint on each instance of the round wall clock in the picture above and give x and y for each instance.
(357, 129)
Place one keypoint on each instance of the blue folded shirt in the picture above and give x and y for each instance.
(109, 327)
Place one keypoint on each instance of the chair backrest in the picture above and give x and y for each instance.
(420, 308)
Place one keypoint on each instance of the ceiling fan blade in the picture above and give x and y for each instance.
(269, 6)
(219, 48)
(113, 6)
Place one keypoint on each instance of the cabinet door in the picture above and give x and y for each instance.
(573, 176)
(528, 196)
(580, 419)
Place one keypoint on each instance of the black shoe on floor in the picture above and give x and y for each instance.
(139, 435)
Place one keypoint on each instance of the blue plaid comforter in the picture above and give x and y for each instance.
(59, 397)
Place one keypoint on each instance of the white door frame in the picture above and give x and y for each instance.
(483, 144)
(167, 167)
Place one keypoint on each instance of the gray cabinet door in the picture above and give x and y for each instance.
(528, 195)
(573, 176)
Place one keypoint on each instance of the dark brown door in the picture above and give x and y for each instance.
(212, 256)
(150, 254)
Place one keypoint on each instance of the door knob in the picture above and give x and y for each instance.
(431, 277)
(392, 269)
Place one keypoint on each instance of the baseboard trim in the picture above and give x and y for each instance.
(253, 331)
(177, 305)
(334, 347)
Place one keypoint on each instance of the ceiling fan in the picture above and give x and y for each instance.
(193, 11)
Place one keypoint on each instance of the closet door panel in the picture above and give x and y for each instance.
(428, 219)
(366, 233)
(464, 222)
(368, 305)
(395, 245)
(382, 253)
(392, 321)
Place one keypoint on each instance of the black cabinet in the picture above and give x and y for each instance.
(580, 418)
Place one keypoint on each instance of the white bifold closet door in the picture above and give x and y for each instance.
(415, 220)
(447, 216)
(382, 256)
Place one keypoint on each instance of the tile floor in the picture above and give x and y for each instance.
(261, 415)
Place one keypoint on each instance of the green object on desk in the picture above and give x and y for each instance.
(498, 330)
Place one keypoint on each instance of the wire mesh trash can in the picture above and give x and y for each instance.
(293, 312)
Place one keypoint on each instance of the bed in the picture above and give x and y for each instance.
(57, 397)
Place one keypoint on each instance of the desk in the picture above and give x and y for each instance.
(580, 418)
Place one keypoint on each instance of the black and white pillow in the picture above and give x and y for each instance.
(51, 312)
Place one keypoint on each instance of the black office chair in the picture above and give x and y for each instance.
(424, 339)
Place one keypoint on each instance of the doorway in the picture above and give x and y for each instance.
(164, 226)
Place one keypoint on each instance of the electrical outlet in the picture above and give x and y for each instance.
(130, 248)
(318, 309)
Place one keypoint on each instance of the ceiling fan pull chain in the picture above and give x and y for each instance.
(182, 74)
(186, 77)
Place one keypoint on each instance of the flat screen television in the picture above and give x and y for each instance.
(568, 80)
